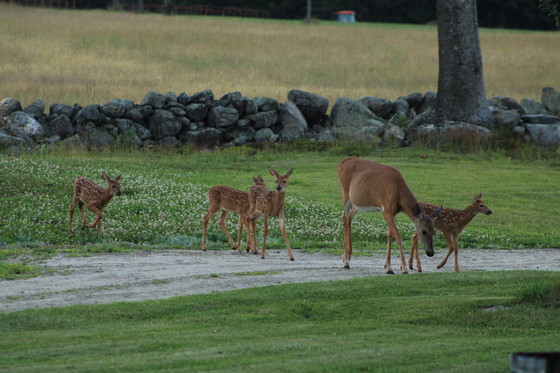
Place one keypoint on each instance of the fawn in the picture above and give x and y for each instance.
(228, 200)
(451, 222)
(267, 203)
(94, 197)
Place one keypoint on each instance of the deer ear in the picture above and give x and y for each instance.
(273, 172)
(417, 211)
(104, 176)
(118, 178)
(478, 196)
(436, 212)
(289, 173)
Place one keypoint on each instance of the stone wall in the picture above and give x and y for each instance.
(203, 121)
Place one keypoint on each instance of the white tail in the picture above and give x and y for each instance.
(451, 222)
(371, 187)
(267, 203)
(228, 200)
(94, 197)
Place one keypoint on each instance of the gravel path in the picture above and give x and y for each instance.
(138, 276)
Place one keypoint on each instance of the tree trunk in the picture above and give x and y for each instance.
(140, 6)
(308, 14)
(461, 95)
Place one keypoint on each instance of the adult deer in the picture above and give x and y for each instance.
(451, 222)
(371, 187)
(94, 197)
(228, 200)
(267, 203)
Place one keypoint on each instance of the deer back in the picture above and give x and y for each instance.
(228, 198)
(86, 190)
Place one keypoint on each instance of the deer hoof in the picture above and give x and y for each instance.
(390, 272)
(347, 266)
(262, 257)
(203, 249)
(419, 271)
(405, 273)
(292, 259)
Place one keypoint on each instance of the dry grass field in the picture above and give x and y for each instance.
(95, 56)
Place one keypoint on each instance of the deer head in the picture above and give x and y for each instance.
(479, 205)
(281, 181)
(114, 186)
(425, 227)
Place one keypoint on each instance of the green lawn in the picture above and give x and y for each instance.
(466, 322)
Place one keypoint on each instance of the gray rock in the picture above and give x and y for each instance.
(155, 100)
(169, 141)
(266, 104)
(196, 112)
(59, 126)
(221, 117)
(400, 108)
(450, 132)
(184, 99)
(116, 108)
(540, 119)
(88, 114)
(263, 119)
(379, 106)
(142, 132)
(326, 136)
(532, 106)
(240, 136)
(123, 125)
(506, 103)
(413, 100)
(265, 135)
(7, 140)
(35, 109)
(551, 100)
(506, 118)
(313, 107)
(8, 106)
(294, 125)
(202, 97)
(61, 109)
(350, 113)
(25, 122)
(98, 137)
(544, 134)
(163, 123)
(394, 134)
(251, 107)
(428, 103)
(205, 138)
(135, 115)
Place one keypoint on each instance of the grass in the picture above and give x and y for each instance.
(93, 57)
(430, 323)
(164, 199)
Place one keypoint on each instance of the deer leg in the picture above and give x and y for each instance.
(240, 231)
(393, 232)
(222, 224)
(449, 240)
(414, 253)
(211, 211)
(285, 235)
(72, 205)
(456, 251)
(265, 233)
(81, 207)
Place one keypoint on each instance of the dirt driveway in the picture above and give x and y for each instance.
(107, 278)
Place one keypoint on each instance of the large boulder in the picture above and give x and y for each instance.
(205, 138)
(551, 100)
(155, 99)
(544, 134)
(313, 107)
(90, 114)
(36, 109)
(163, 123)
(196, 112)
(98, 137)
(25, 122)
(202, 97)
(8, 106)
(532, 106)
(266, 104)
(350, 113)
(62, 109)
(221, 117)
(265, 135)
(116, 108)
(293, 123)
(58, 126)
(263, 119)
(379, 106)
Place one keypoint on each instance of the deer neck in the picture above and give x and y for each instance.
(105, 197)
(277, 202)
(467, 215)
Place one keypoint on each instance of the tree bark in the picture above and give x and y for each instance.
(461, 95)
